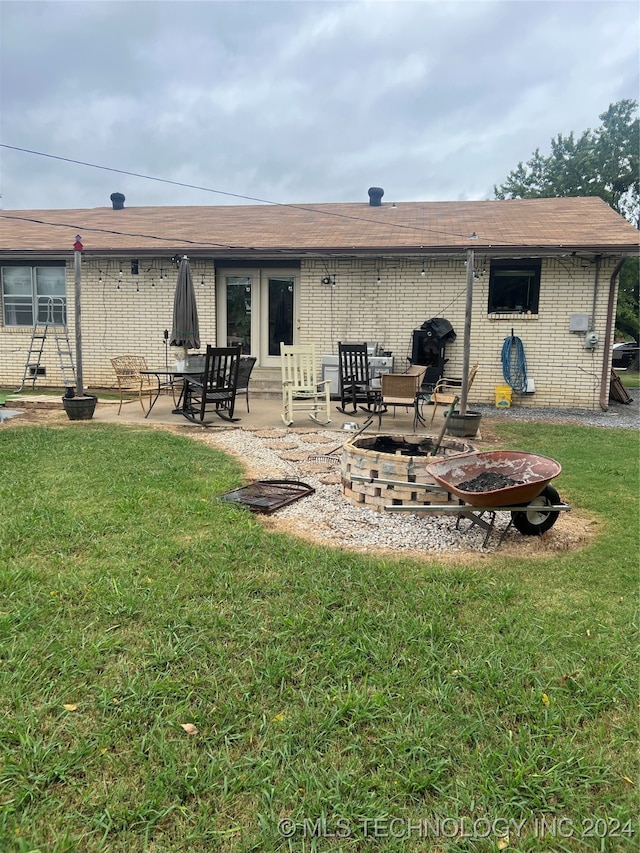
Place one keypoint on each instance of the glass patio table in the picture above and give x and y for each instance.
(166, 377)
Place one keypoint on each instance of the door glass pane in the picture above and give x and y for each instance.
(239, 312)
(280, 313)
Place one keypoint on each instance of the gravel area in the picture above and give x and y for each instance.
(622, 415)
(327, 517)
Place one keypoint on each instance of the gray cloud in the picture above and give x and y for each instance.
(299, 101)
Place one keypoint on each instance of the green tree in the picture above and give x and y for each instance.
(604, 162)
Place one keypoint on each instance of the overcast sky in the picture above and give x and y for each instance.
(300, 101)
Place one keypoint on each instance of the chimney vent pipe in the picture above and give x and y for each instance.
(375, 196)
(117, 200)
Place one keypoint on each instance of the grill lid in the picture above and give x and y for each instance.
(267, 496)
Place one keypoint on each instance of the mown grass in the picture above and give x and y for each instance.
(327, 688)
(630, 379)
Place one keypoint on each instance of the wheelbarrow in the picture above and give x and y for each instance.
(495, 481)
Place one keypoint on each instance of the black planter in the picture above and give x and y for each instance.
(463, 425)
(80, 408)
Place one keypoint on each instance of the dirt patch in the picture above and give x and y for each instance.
(29, 415)
(571, 532)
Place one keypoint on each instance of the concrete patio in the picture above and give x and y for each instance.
(265, 413)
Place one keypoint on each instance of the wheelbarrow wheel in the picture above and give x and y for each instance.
(535, 520)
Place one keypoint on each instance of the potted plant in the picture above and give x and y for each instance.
(79, 408)
(463, 426)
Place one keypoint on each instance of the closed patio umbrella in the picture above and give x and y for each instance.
(185, 331)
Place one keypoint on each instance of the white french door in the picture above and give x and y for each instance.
(256, 309)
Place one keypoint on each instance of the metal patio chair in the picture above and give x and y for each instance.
(447, 389)
(131, 380)
(302, 391)
(247, 363)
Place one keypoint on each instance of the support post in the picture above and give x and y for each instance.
(77, 269)
(464, 391)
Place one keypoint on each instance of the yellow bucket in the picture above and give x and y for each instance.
(503, 396)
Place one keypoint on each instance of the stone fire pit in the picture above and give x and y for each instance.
(394, 457)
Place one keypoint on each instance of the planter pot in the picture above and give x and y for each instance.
(80, 408)
(463, 425)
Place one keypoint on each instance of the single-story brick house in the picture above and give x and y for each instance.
(545, 271)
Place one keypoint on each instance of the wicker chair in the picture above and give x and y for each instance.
(130, 380)
(402, 389)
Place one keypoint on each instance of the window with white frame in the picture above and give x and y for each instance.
(514, 287)
(33, 292)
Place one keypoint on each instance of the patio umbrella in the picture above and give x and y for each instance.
(185, 332)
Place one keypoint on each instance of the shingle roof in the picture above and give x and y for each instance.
(552, 225)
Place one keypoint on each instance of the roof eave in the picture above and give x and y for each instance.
(267, 253)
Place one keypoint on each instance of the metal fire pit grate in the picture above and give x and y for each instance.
(267, 496)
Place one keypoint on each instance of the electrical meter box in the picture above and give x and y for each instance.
(579, 323)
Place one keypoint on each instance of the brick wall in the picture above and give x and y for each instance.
(370, 300)
(120, 315)
(359, 307)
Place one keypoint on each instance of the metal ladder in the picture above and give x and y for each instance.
(53, 308)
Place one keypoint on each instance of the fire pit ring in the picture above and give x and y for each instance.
(399, 458)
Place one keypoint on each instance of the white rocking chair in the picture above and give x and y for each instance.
(302, 391)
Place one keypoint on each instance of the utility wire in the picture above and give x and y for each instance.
(420, 230)
(224, 192)
(76, 227)
(307, 209)
(134, 174)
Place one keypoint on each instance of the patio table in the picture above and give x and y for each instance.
(166, 376)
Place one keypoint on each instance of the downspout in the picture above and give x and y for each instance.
(609, 327)
(596, 283)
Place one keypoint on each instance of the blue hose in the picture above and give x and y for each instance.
(514, 364)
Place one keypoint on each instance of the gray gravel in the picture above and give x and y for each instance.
(623, 415)
(326, 515)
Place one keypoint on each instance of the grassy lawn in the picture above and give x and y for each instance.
(319, 688)
(629, 380)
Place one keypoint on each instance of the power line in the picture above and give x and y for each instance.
(76, 227)
(135, 174)
(501, 242)
(307, 209)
